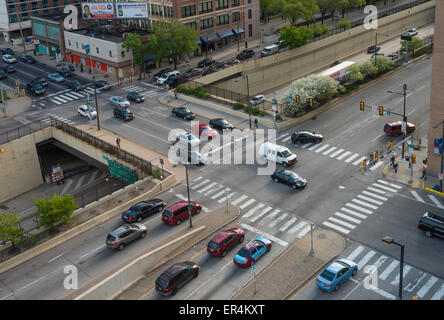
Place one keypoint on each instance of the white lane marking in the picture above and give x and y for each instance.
(342, 156)
(279, 219)
(359, 160)
(227, 197)
(405, 270)
(286, 139)
(366, 259)
(314, 146)
(264, 234)
(77, 95)
(328, 151)
(364, 204)
(351, 205)
(67, 186)
(217, 195)
(417, 196)
(325, 146)
(425, 288)
(388, 270)
(261, 214)
(59, 99)
(344, 216)
(379, 163)
(412, 285)
(270, 216)
(287, 224)
(246, 204)
(55, 258)
(55, 101)
(331, 225)
(389, 184)
(355, 253)
(283, 135)
(380, 261)
(438, 294)
(359, 215)
(334, 154)
(197, 179)
(240, 199)
(370, 199)
(304, 231)
(376, 190)
(91, 252)
(306, 145)
(436, 202)
(345, 224)
(207, 187)
(374, 195)
(383, 293)
(219, 186)
(382, 134)
(297, 227)
(253, 210)
(71, 95)
(352, 157)
(64, 97)
(79, 183)
(194, 187)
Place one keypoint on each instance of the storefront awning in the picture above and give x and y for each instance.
(149, 57)
(225, 33)
(238, 30)
(199, 42)
(208, 38)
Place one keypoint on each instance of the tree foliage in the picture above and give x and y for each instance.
(134, 44)
(9, 231)
(296, 36)
(344, 23)
(325, 6)
(59, 208)
(414, 44)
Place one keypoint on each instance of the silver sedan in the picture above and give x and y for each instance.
(119, 102)
(55, 77)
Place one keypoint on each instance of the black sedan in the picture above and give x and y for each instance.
(142, 210)
(373, 49)
(104, 85)
(191, 73)
(3, 74)
(183, 112)
(64, 72)
(306, 136)
(161, 73)
(205, 63)
(74, 85)
(8, 68)
(220, 124)
(134, 96)
(7, 51)
(289, 178)
(27, 59)
(41, 81)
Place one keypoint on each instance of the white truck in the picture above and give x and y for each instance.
(338, 71)
(277, 153)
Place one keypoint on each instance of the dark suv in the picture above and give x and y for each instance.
(176, 277)
(224, 241)
(245, 54)
(142, 210)
(134, 96)
(74, 85)
(183, 112)
(178, 212)
(35, 89)
(373, 49)
(41, 81)
(123, 113)
(7, 51)
(432, 224)
(104, 85)
(64, 72)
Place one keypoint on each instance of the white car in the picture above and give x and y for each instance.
(9, 59)
(82, 111)
(119, 102)
(257, 100)
(412, 32)
(165, 77)
(185, 138)
(55, 77)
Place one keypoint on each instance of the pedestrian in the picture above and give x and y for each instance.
(175, 94)
(392, 160)
(395, 167)
(118, 142)
(256, 123)
(424, 172)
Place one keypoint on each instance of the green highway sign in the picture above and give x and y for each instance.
(120, 171)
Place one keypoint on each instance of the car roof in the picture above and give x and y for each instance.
(119, 230)
(177, 205)
(138, 205)
(221, 236)
(335, 267)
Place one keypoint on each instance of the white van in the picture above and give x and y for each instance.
(277, 153)
(269, 50)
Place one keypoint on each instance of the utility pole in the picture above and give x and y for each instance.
(248, 97)
(442, 152)
(404, 116)
(88, 48)
(23, 39)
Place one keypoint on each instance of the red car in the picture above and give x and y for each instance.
(394, 128)
(178, 212)
(221, 243)
(205, 130)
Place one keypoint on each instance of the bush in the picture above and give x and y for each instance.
(238, 105)
(199, 92)
(156, 174)
(319, 30)
(255, 111)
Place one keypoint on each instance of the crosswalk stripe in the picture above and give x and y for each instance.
(380, 261)
(286, 139)
(268, 217)
(303, 232)
(240, 199)
(345, 224)
(207, 187)
(331, 225)
(264, 234)
(425, 288)
(389, 184)
(197, 179)
(370, 199)
(413, 284)
(227, 197)
(373, 167)
(59, 99)
(351, 205)
(374, 195)
(359, 215)
(405, 270)
(212, 190)
(365, 204)
(334, 154)
(246, 204)
(347, 217)
(359, 160)
(279, 219)
(55, 101)
(64, 97)
(325, 146)
(436, 202)
(352, 157)
(71, 96)
(342, 156)
(306, 145)
(438, 294)
(365, 259)
(355, 253)
(260, 214)
(200, 184)
(417, 196)
(297, 227)
(90, 91)
(253, 210)
(328, 151)
(287, 224)
(77, 94)
(376, 190)
(388, 270)
(314, 146)
(282, 135)
(384, 187)
(217, 195)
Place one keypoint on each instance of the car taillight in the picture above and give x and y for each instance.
(218, 250)
(114, 244)
(328, 285)
(129, 219)
(419, 224)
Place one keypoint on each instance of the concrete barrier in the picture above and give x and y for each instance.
(122, 279)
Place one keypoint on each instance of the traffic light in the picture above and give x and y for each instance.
(310, 102)
(390, 144)
(2, 149)
(375, 155)
(381, 111)
(291, 96)
(361, 105)
(414, 158)
(297, 98)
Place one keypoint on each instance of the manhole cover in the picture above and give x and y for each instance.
(321, 236)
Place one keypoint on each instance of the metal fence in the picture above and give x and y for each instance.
(21, 131)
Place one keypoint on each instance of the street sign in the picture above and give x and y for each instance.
(403, 127)
(440, 176)
(120, 171)
(388, 111)
(253, 268)
(86, 47)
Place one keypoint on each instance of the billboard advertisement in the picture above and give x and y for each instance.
(92, 10)
(132, 10)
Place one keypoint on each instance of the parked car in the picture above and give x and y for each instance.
(56, 77)
(205, 63)
(269, 50)
(216, 66)
(412, 32)
(305, 136)
(191, 73)
(204, 131)
(176, 277)
(252, 251)
(35, 89)
(245, 54)
(74, 85)
(3, 74)
(103, 85)
(28, 59)
(64, 72)
(289, 178)
(142, 210)
(394, 128)
(119, 101)
(187, 138)
(9, 59)
(123, 113)
(183, 112)
(123, 235)
(161, 73)
(8, 68)
(377, 54)
(392, 56)
(172, 82)
(257, 100)
(83, 111)
(224, 241)
(336, 63)
(220, 124)
(41, 81)
(165, 77)
(7, 51)
(280, 43)
(373, 49)
(336, 274)
(178, 212)
(134, 96)
(432, 224)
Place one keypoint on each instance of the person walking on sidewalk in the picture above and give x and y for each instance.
(424, 172)
(395, 167)
(118, 142)
(256, 123)
(392, 160)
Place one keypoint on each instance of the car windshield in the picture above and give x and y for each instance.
(213, 245)
(135, 226)
(37, 87)
(286, 153)
(111, 238)
(161, 283)
(167, 214)
(130, 213)
(204, 128)
(344, 264)
(328, 275)
(118, 99)
(293, 176)
(243, 253)
(186, 110)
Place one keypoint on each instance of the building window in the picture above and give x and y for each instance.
(221, 20)
(11, 8)
(235, 3)
(206, 23)
(97, 50)
(221, 4)
(188, 11)
(13, 18)
(69, 43)
(250, 30)
(236, 16)
(249, 14)
(192, 25)
(249, 1)
(169, 12)
(123, 54)
(110, 53)
(205, 7)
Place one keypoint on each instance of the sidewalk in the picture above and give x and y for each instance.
(294, 267)
(14, 107)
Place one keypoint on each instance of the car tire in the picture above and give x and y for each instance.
(428, 234)
(284, 164)
(174, 114)
(224, 253)
(198, 210)
(178, 222)
(241, 239)
(195, 274)
(268, 248)
(121, 247)
(173, 293)
(160, 209)
(275, 180)
(318, 141)
(143, 235)
(354, 272)
(139, 219)
(294, 186)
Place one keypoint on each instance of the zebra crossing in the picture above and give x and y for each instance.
(353, 213)
(416, 282)
(257, 216)
(69, 95)
(142, 90)
(434, 200)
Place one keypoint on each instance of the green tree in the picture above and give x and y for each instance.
(414, 44)
(355, 74)
(348, 4)
(344, 23)
(324, 6)
(295, 37)
(267, 7)
(309, 9)
(9, 231)
(134, 43)
(293, 10)
(59, 208)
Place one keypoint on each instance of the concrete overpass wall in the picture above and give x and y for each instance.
(279, 69)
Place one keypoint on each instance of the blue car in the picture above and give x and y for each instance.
(252, 251)
(336, 274)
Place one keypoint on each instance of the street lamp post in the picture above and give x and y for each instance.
(88, 48)
(404, 116)
(442, 151)
(188, 188)
(311, 233)
(248, 97)
(388, 240)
